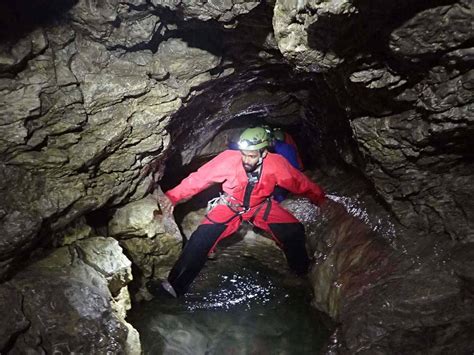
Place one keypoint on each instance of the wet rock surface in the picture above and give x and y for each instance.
(391, 289)
(94, 97)
(151, 240)
(78, 292)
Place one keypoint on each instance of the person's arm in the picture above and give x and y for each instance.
(299, 184)
(208, 174)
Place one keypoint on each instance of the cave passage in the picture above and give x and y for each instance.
(247, 301)
(244, 302)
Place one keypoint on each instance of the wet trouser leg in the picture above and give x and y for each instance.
(292, 239)
(194, 256)
(204, 238)
(288, 233)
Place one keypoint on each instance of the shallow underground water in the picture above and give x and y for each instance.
(244, 302)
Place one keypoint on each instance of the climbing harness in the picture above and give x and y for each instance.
(237, 208)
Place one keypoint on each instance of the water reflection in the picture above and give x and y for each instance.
(242, 303)
(377, 221)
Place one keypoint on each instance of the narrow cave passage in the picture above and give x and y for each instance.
(244, 302)
(96, 97)
(247, 301)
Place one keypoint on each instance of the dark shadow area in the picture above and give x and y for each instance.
(371, 27)
(19, 17)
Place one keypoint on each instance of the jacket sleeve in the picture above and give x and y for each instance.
(299, 184)
(212, 172)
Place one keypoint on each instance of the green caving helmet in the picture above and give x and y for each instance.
(253, 139)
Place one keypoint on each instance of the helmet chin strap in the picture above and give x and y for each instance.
(262, 156)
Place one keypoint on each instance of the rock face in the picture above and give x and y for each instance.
(96, 96)
(78, 292)
(406, 83)
(390, 294)
(152, 241)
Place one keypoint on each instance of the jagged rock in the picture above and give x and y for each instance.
(104, 255)
(307, 32)
(68, 297)
(13, 321)
(152, 241)
(400, 159)
(137, 219)
(377, 78)
(184, 62)
(223, 10)
(78, 230)
(13, 55)
(419, 36)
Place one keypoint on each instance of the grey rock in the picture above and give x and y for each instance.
(221, 10)
(64, 312)
(14, 321)
(185, 62)
(136, 219)
(12, 55)
(408, 185)
(105, 90)
(304, 32)
(77, 292)
(106, 257)
(419, 36)
(462, 261)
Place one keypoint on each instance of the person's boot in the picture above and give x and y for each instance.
(212, 255)
(160, 288)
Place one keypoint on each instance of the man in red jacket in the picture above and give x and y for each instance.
(248, 179)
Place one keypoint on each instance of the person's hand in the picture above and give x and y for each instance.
(164, 203)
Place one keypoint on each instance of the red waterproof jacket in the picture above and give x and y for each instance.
(227, 168)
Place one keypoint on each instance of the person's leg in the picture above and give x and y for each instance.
(195, 252)
(292, 238)
(194, 256)
(288, 233)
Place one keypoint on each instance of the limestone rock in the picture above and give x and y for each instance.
(308, 31)
(152, 241)
(106, 257)
(396, 147)
(68, 297)
(14, 321)
(419, 36)
(185, 62)
(13, 55)
(64, 312)
(137, 219)
(222, 10)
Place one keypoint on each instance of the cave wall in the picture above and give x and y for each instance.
(96, 95)
(403, 71)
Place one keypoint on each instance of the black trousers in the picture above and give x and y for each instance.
(194, 255)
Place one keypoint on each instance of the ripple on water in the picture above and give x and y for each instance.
(246, 290)
(237, 305)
